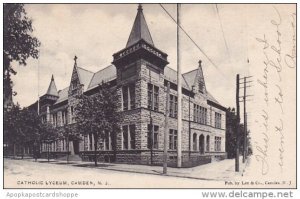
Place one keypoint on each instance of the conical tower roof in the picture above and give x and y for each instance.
(139, 30)
(52, 90)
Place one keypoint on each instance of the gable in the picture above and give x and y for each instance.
(200, 82)
(75, 81)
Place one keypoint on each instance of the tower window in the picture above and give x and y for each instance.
(128, 97)
(153, 97)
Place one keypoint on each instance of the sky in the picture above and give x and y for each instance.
(94, 32)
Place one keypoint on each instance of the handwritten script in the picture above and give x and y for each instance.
(274, 62)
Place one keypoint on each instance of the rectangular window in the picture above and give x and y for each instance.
(200, 114)
(132, 136)
(153, 97)
(91, 141)
(129, 137)
(150, 96)
(173, 139)
(54, 119)
(107, 140)
(152, 136)
(128, 97)
(218, 141)
(195, 113)
(155, 142)
(64, 117)
(125, 137)
(218, 118)
(171, 111)
(125, 97)
(173, 106)
(132, 96)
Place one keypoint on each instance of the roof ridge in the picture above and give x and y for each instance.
(104, 68)
(190, 71)
(85, 69)
(92, 79)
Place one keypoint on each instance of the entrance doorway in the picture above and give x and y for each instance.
(76, 147)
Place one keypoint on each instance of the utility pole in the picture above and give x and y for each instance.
(237, 161)
(166, 130)
(191, 91)
(245, 86)
(179, 124)
(245, 128)
(151, 127)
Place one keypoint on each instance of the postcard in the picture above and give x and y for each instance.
(149, 96)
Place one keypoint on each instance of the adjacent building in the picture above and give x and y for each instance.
(140, 74)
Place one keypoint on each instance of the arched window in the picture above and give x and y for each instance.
(194, 142)
(201, 144)
(207, 143)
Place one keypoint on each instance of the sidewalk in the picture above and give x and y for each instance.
(215, 171)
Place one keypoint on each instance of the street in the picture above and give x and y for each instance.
(29, 174)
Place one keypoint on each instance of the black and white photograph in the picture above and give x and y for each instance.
(146, 95)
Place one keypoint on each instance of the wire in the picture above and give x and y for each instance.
(222, 30)
(191, 39)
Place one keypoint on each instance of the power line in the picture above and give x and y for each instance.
(222, 30)
(191, 39)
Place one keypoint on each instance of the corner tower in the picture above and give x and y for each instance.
(140, 46)
(140, 73)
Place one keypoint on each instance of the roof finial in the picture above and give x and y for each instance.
(52, 78)
(140, 8)
(200, 62)
(75, 59)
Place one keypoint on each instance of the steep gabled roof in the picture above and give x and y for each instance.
(211, 98)
(52, 90)
(62, 95)
(139, 30)
(171, 75)
(190, 77)
(85, 77)
(106, 74)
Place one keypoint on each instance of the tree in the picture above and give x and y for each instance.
(48, 135)
(98, 114)
(68, 132)
(10, 129)
(231, 133)
(18, 43)
(21, 128)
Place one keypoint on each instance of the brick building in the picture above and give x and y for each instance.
(140, 74)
